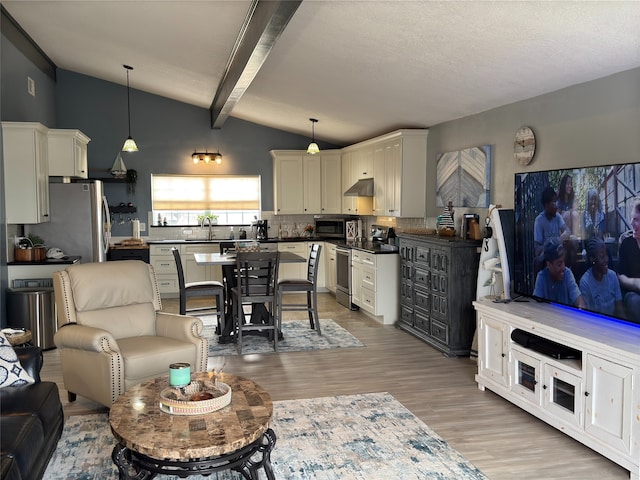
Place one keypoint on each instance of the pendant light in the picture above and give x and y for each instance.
(129, 143)
(313, 146)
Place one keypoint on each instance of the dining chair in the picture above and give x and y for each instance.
(302, 285)
(257, 274)
(209, 288)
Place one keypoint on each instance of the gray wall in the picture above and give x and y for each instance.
(17, 105)
(167, 132)
(588, 124)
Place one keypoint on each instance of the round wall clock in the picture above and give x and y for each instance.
(524, 146)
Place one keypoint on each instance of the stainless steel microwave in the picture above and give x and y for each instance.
(332, 227)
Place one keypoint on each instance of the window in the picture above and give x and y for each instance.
(185, 199)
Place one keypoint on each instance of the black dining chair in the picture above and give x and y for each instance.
(303, 285)
(209, 288)
(257, 274)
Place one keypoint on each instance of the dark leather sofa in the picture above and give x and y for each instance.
(31, 421)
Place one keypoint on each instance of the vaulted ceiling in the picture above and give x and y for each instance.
(362, 68)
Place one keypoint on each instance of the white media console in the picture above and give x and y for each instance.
(576, 371)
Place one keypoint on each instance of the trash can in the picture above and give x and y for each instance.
(33, 309)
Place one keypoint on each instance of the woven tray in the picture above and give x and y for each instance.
(447, 232)
(178, 401)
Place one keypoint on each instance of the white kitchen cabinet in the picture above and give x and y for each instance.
(397, 162)
(199, 273)
(380, 183)
(68, 153)
(288, 182)
(400, 186)
(394, 181)
(349, 203)
(591, 394)
(356, 279)
(312, 192)
(330, 266)
(309, 184)
(376, 285)
(352, 205)
(293, 270)
(161, 257)
(26, 172)
(362, 163)
(331, 182)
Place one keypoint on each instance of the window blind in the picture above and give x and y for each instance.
(205, 192)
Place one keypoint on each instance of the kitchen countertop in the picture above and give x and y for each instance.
(371, 247)
(66, 260)
(220, 240)
(455, 240)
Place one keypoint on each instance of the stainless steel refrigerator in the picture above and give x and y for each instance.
(79, 220)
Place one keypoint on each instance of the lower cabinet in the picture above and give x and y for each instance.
(164, 265)
(330, 266)
(437, 287)
(375, 284)
(293, 270)
(577, 375)
(128, 253)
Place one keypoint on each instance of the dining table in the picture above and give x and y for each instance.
(259, 313)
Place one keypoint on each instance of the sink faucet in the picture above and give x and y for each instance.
(207, 220)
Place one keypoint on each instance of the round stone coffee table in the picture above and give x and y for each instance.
(151, 442)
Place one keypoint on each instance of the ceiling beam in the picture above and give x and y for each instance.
(262, 27)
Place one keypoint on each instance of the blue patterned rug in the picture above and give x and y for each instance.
(297, 335)
(369, 436)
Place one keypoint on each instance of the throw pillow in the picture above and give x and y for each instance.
(11, 371)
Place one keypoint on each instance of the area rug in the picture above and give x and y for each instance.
(297, 337)
(369, 436)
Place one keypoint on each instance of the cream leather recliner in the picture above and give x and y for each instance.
(112, 334)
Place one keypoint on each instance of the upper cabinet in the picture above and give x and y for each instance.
(26, 172)
(331, 181)
(312, 191)
(68, 153)
(309, 184)
(288, 186)
(398, 164)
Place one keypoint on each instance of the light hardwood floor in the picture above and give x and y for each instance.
(502, 440)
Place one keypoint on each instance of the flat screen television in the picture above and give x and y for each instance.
(577, 238)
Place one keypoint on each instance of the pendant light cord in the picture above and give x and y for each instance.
(128, 98)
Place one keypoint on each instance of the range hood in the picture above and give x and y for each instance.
(362, 188)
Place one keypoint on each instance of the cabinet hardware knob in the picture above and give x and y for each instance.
(586, 394)
(504, 355)
(544, 386)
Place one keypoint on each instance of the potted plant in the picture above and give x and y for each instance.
(208, 215)
(39, 248)
(132, 179)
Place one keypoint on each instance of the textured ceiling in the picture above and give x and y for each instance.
(361, 67)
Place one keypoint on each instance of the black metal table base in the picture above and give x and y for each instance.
(247, 461)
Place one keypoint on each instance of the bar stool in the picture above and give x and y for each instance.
(209, 288)
(301, 285)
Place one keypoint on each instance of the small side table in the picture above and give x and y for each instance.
(150, 442)
(19, 339)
